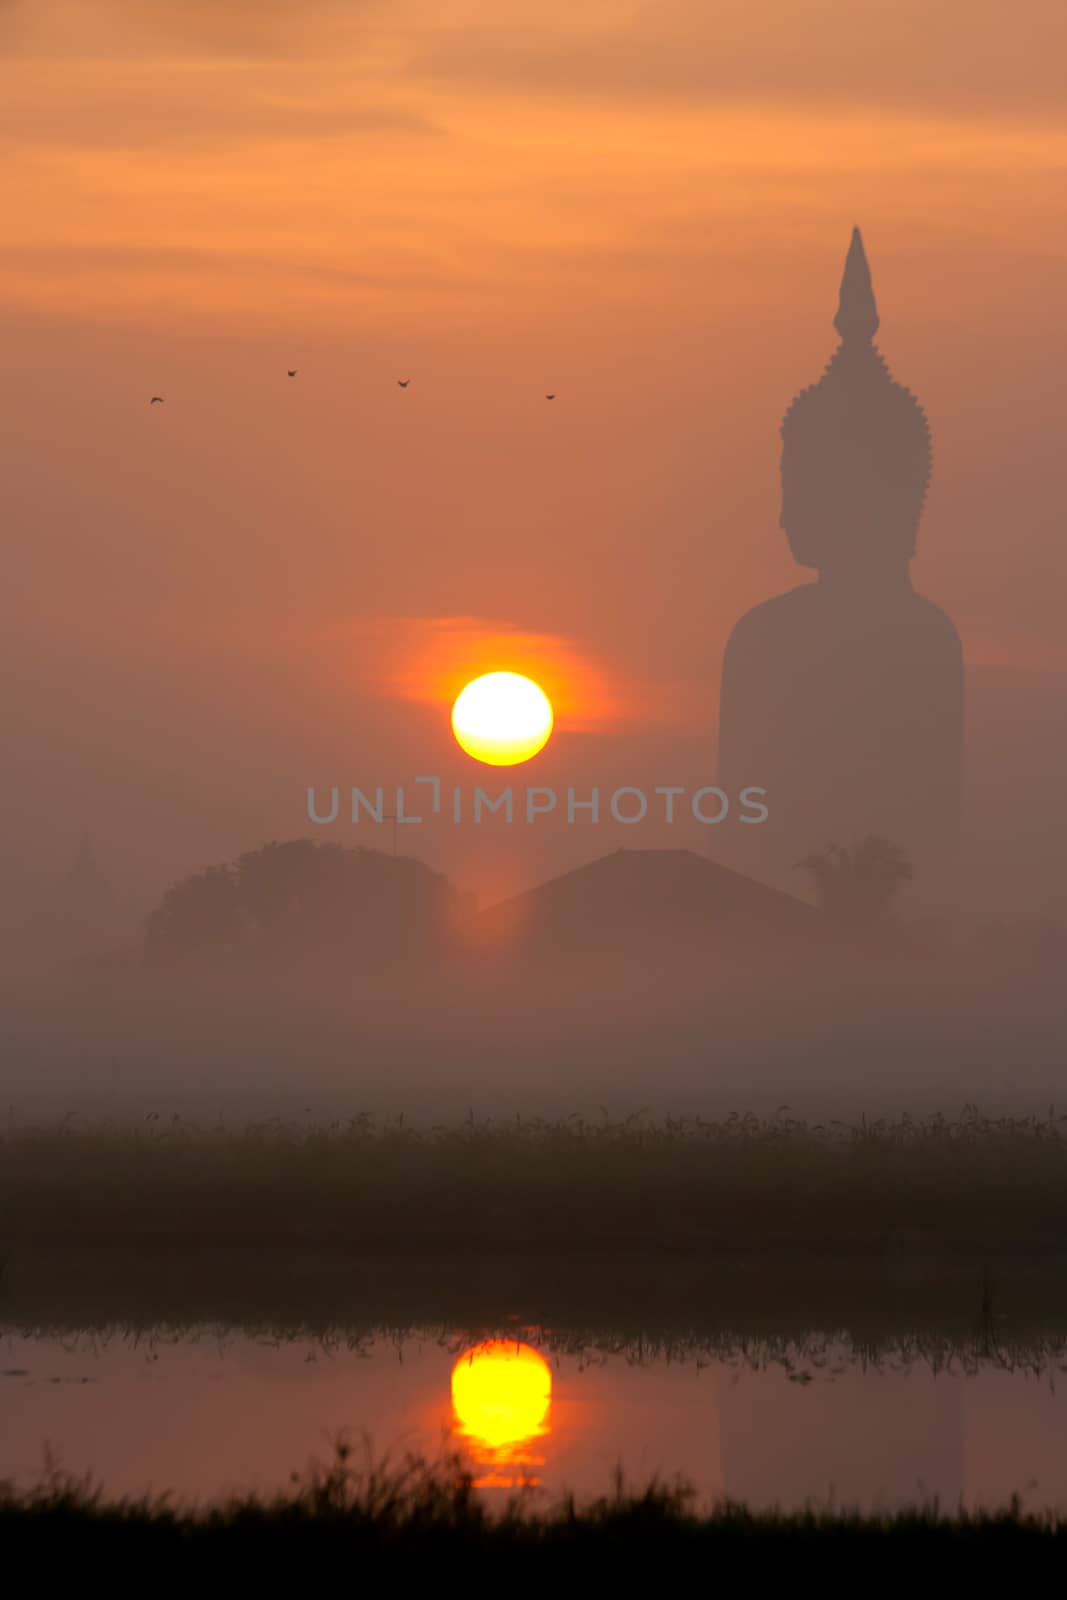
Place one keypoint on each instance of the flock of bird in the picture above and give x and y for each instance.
(291, 372)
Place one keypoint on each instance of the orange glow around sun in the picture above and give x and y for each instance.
(502, 718)
(432, 659)
(501, 1395)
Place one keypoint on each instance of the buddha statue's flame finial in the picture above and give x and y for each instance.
(856, 443)
(857, 313)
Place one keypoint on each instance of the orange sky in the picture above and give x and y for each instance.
(644, 208)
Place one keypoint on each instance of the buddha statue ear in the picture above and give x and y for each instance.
(857, 313)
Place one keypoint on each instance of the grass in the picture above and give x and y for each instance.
(802, 1316)
(425, 1517)
(971, 1187)
(943, 1237)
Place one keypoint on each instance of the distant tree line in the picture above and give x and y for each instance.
(306, 899)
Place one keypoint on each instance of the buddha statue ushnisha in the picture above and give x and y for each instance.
(844, 697)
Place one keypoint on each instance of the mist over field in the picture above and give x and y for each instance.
(540, 1037)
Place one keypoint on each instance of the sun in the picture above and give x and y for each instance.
(501, 1392)
(502, 719)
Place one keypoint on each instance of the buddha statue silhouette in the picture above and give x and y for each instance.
(844, 697)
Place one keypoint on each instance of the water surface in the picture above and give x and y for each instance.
(205, 1414)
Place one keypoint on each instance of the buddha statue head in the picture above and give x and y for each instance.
(855, 450)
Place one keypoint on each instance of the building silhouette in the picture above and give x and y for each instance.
(655, 908)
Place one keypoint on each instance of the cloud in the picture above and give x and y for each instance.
(13, 18)
(242, 27)
(234, 29)
(430, 659)
(107, 261)
(956, 53)
(115, 114)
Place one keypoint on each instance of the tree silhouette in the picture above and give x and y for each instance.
(302, 899)
(275, 881)
(202, 912)
(856, 887)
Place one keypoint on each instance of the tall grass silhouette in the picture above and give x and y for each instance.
(420, 1513)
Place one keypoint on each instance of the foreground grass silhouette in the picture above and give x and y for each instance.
(428, 1516)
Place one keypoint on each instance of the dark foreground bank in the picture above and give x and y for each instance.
(430, 1519)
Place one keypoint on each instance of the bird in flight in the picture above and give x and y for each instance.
(550, 397)
(156, 400)
(291, 371)
(403, 382)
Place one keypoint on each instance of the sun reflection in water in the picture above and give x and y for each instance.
(501, 1397)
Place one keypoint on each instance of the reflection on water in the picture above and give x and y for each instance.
(501, 1398)
(205, 1415)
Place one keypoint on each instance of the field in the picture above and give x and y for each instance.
(675, 1235)
(974, 1187)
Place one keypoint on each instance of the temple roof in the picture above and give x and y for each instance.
(662, 900)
